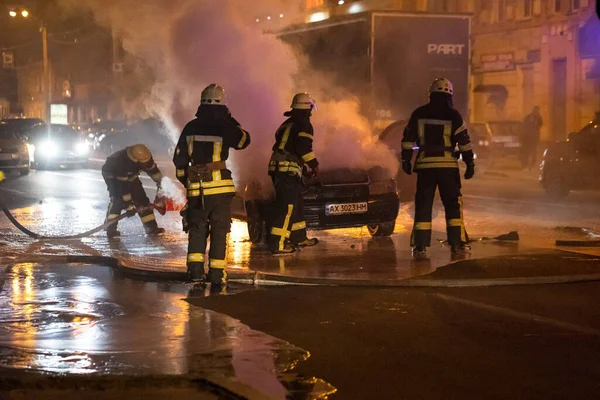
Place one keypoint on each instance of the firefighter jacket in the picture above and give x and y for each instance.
(203, 148)
(293, 146)
(123, 168)
(436, 128)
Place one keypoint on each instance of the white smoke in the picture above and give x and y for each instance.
(189, 44)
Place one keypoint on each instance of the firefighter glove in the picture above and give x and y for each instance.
(315, 171)
(406, 167)
(470, 171)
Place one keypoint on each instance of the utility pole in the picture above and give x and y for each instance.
(47, 80)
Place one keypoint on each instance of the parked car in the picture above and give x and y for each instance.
(505, 137)
(150, 132)
(338, 198)
(100, 134)
(14, 152)
(59, 146)
(481, 138)
(572, 164)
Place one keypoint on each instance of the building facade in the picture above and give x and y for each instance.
(528, 53)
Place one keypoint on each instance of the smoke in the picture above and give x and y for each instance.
(173, 191)
(188, 44)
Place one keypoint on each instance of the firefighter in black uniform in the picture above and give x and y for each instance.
(121, 173)
(291, 152)
(199, 158)
(436, 128)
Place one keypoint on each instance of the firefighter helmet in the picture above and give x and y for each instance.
(139, 153)
(441, 85)
(303, 101)
(214, 95)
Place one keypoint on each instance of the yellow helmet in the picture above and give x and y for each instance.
(214, 95)
(303, 101)
(139, 153)
(441, 85)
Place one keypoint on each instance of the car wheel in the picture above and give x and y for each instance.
(256, 224)
(556, 188)
(382, 229)
(24, 171)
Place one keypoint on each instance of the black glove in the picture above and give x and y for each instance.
(470, 171)
(184, 221)
(406, 167)
(315, 171)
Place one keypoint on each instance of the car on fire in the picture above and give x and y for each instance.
(337, 198)
(14, 152)
(572, 164)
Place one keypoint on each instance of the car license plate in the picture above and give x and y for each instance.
(348, 208)
(5, 156)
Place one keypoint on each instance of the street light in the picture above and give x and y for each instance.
(47, 78)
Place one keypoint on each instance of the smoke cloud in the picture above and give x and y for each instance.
(188, 44)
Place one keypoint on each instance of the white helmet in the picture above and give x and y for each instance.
(214, 95)
(441, 85)
(303, 101)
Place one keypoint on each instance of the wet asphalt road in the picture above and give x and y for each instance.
(511, 342)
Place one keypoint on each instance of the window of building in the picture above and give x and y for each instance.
(527, 8)
(314, 3)
(557, 6)
(501, 10)
(537, 7)
(575, 5)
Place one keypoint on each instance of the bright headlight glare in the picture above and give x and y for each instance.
(81, 148)
(48, 148)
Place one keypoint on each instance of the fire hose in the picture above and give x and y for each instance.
(159, 205)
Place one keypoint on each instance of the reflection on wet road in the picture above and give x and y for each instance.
(88, 320)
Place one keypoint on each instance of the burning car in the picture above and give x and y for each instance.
(338, 198)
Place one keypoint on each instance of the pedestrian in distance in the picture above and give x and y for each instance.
(530, 138)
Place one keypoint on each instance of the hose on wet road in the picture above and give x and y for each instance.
(34, 235)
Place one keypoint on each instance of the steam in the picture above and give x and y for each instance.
(188, 44)
(173, 191)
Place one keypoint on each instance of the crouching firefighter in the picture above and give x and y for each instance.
(121, 173)
(199, 158)
(291, 152)
(436, 128)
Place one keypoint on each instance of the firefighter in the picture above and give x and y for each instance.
(199, 158)
(292, 151)
(436, 128)
(121, 174)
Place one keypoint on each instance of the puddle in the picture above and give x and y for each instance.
(88, 320)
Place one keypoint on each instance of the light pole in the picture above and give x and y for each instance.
(47, 78)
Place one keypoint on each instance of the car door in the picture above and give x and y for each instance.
(585, 160)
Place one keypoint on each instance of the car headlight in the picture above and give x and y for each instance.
(48, 148)
(484, 143)
(81, 148)
(382, 187)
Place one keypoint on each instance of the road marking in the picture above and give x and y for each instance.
(522, 315)
(87, 178)
(14, 191)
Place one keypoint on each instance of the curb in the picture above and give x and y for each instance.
(258, 278)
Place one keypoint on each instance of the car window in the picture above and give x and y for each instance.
(6, 133)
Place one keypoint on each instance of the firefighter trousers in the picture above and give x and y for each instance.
(448, 182)
(288, 224)
(209, 216)
(125, 195)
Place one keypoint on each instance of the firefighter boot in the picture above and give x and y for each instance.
(112, 232)
(217, 276)
(460, 248)
(286, 249)
(152, 228)
(419, 252)
(307, 242)
(196, 272)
